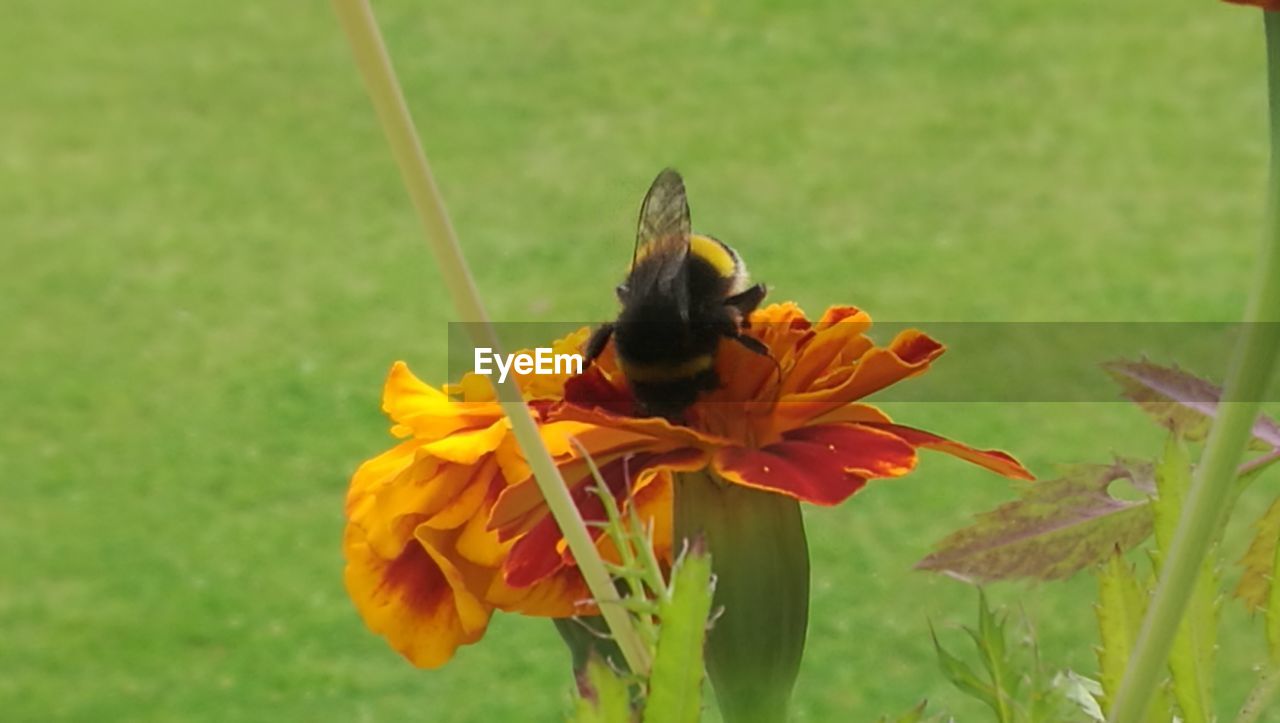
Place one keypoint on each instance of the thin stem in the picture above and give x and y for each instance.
(648, 559)
(371, 58)
(1211, 490)
(630, 570)
(1260, 697)
(1259, 463)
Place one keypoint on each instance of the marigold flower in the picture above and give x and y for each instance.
(794, 428)
(449, 525)
(422, 568)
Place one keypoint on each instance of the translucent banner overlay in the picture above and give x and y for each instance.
(983, 362)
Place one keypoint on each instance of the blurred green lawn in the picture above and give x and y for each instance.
(208, 264)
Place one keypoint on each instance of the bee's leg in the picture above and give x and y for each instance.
(752, 344)
(747, 301)
(597, 342)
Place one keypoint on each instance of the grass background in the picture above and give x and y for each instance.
(208, 264)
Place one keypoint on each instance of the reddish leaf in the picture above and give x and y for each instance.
(1054, 530)
(1260, 560)
(1179, 400)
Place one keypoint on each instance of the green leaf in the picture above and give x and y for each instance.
(1179, 400)
(675, 683)
(962, 676)
(1273, 612)
(1120, 607)
(1055, 529)
(605, 698)
(1259, 561)
(990, 640)
(1173, 477)
(1191, 658)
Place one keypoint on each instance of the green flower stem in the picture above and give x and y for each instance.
(1257, 465)
(630, 571)
(1207, 502)
(1259, 700)
(761, 563)
(375, 68)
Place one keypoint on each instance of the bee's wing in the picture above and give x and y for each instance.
(662, 238)
(664, 215)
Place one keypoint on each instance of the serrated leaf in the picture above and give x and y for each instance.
(1173, 477)
(962, 676)
(1180, 400)
(1261, 563)
(1191, 659)
(1055, 529)
(1259, 560)
(1192, 656)
(1273, 612)
(990, 641)
(606, 698)
(1120, 608)
(675, 683)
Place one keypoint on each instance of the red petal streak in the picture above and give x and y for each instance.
(823, 464)
(416, 580)
(602, 443)
(994, 460)
(538, 554)
(592, 389)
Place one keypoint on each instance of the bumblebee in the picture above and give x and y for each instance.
(684, 292)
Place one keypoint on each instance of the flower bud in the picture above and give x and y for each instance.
(761, 563)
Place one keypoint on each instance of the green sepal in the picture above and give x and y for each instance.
(761, 563)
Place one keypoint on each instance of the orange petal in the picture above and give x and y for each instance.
(823, 465)
(654, 428)
(836, 341)
(376, 472)
(465, 447)
(994, 460)
(561, 595)
(781, 314)
(419, 601)
(840, 314)
(791, 415)
(466, 504)
(480, 545)
(424, 490)
(603, 444)
(744, 375)
(429, 413)
(910, 353)
(539, 553)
